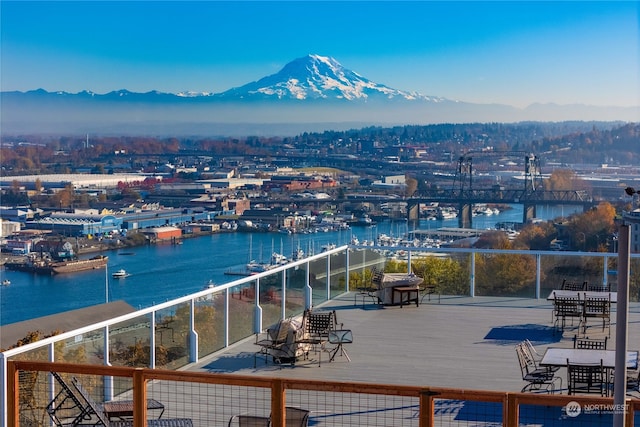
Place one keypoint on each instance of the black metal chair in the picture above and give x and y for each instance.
(567, 307)
(590, 343)
(597, 308)
(537, 379)
(591, 378)
(249, 421)
(570, 285)
(370, 289)
(318, 326)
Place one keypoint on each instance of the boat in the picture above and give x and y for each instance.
(6, 282)
(120, 274)
(73, 266)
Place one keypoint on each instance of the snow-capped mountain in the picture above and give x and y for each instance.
(306, 95)
(318, 77)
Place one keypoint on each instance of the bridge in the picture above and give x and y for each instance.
(463, 193)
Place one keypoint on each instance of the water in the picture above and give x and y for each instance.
(163, 272)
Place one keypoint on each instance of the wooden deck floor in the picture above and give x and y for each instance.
(459, 342)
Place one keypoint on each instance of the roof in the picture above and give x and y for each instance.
(67, 321)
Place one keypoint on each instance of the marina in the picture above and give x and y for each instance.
(166, 271)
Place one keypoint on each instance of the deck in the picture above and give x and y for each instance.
(459, 342)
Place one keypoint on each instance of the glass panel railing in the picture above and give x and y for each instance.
(209, 323)
(295, 290)
(129, 342)
(318, 281)
(172, 336)
(242, 304)
(338, 274)
(505, 275)
(82, 348)
(40, 354)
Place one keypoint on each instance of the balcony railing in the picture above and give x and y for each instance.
(212, 400)
(177, 333)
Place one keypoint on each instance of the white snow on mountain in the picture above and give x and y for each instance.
(319, 77)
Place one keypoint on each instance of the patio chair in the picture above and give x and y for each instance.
(536, 357)
(296, 417)
(427, 291)
(249, 421)
(588, 378)
(598, 308)
(570, 285)
(66, 409)
(566, 307)
(275, 339)
(537, 379)
(370, 290)
(590, 343)
(598, 287)
(317, 326)
(96, 409)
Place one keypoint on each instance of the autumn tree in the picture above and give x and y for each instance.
(504, 274)
(411, 186)
(590, 230)
(535, 236)
(562, 180)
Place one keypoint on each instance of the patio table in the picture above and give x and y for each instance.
(558, 357)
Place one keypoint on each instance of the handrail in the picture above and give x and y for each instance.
(510, 401)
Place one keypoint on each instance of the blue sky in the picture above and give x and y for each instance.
(514, 53)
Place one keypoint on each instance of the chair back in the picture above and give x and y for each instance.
(567, 306)
(598, 287)
(66, 403)
(597, 307)
(319, 324)
(527, 363)
(570, 285)
(592, 378)
(590, 343)
(296, 417)
(94, 406)
(249, 421)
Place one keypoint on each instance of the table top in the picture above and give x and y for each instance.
(123, 408)
(613, 296)
(558, 357)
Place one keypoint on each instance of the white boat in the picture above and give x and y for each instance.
(120, 274)
(6, 282)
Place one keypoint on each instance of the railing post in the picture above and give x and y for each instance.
(257, 320)
(139, 398)
(283, 292)
(108, 379)
(538, 276)
(472, 275)
(328, 278)
(308, 291)
(152, 341)
(346, 269)
(605, 270)
(427, 409)
(193, 334)
(278, 403)
(510, 411)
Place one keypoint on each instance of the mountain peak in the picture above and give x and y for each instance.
(317, 77)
